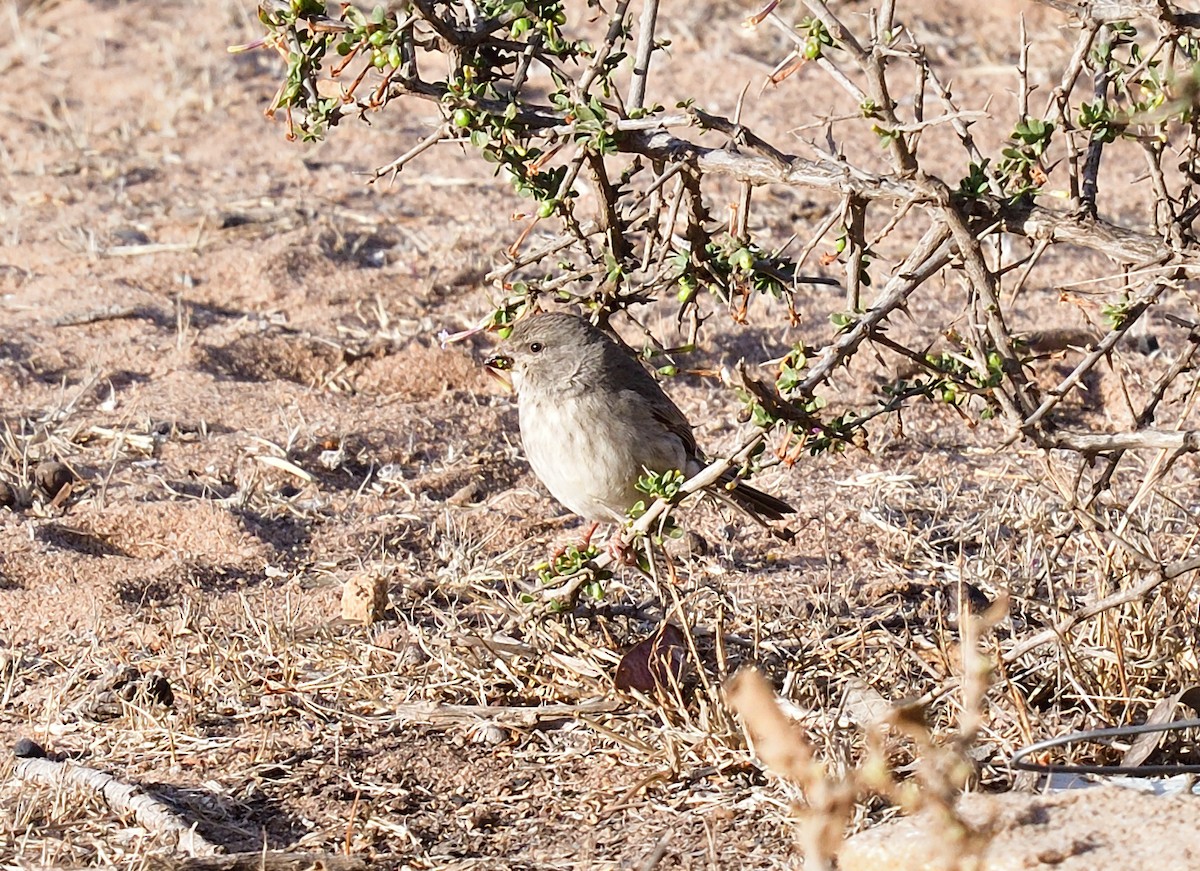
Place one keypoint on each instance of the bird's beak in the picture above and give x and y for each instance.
(499, 366)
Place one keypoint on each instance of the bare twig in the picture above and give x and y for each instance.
(121, 797)
(645, 48)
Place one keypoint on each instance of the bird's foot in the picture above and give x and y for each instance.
(619, 549)
(583, 546)
(586, 542)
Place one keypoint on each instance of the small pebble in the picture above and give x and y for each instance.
(130, 236)
(691, 545)
(52, 476)
(364, 598)
(26, 748)
(490, 734)
(390, 473)
(332, 459)
(466, 494)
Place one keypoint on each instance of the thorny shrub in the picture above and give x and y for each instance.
(514, 82)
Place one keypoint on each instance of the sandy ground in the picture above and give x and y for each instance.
(229, 340)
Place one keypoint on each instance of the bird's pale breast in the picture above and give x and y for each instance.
(590, 448)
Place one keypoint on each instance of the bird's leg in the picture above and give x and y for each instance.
(618, 548)
(586, 541)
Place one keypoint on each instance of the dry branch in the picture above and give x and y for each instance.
(438, 714)
(1152, 581)
(1147, 439)
(122, 798)
(264, 861)
(1020, 218)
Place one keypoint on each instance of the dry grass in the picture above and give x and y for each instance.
(331, 737)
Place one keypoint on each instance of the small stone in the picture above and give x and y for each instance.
(690, 545)
(490, 734)
(466, 494)
(331, 460)
(390, 473)
(130, 236)
(27, 748)
(658, 662)
(51, 477)
(696, 545)
(364, 598)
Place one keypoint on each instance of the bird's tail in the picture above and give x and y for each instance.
(758, 504)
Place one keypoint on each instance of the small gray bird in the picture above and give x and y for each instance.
(593, 420)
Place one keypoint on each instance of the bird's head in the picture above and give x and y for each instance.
(546, 350)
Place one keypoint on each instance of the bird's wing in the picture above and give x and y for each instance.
(650, 397)
(669, 415)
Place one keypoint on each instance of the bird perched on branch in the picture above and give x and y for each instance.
(593, 421)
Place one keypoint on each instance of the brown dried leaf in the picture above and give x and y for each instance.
(1164, 712)
(657, 662)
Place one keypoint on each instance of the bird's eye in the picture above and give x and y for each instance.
(536, 347)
